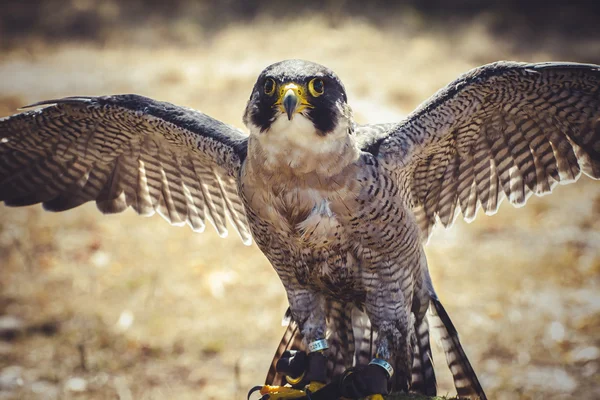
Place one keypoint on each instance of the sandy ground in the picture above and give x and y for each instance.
(107, 307)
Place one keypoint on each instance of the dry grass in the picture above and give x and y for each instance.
(149, 311)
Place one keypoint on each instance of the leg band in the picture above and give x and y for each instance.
(318, 345)
(383, 364)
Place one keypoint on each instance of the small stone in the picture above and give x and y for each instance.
(125, 320)
(45, 388)
(583, 354)
(100, 259)
(11, 377)
(76, 385)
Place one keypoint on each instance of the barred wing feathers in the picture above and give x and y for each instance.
(504, 130)
(124, 151)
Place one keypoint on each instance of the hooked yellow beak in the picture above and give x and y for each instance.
(290, 102)
(292, 99)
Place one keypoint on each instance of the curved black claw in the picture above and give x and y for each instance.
(254, 389)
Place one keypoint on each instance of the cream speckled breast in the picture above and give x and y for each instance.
(322, 227)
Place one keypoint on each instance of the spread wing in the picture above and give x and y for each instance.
(124, 151)
(504, 130)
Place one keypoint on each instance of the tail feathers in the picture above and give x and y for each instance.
(465, 380)
(340, 339)
(291, 340)
(423, 375)
(364, 337)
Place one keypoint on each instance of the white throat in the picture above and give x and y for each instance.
(295, 145)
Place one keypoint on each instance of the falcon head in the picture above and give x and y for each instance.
(299, 121)
(298, 96)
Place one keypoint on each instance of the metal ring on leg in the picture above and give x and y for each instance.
(318, 345)
(383, 364)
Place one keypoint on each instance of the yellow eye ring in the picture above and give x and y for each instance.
(269, 87)
(316, 87)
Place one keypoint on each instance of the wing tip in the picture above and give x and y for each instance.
(51, 102)
(562, 64)
(198, 229)
(223, 232)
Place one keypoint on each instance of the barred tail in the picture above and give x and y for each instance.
(291, 340)
(364, 337)
(465, 380)
(340, 338)
(423, 375)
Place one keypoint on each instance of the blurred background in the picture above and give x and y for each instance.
(124, 307)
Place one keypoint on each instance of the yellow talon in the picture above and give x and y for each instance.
(281, 392)
(374, 397)
(286, 392)
(314, 386)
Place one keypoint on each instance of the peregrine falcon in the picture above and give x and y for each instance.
(341, 210)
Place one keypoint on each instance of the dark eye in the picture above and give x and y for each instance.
(316, 87)
(269, 86)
